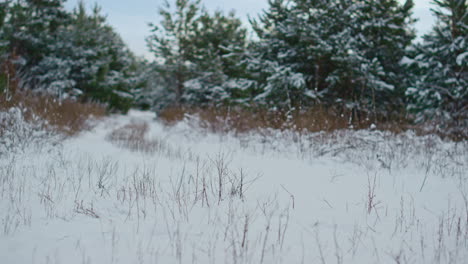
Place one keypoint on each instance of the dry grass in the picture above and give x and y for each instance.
(316, 119)
(133, 137)
(242, 120)
(65, 116)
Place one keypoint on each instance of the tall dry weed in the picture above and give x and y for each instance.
(65, 116)
(313, 119)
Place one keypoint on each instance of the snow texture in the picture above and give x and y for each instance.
(135, 191)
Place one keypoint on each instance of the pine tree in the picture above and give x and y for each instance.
(147, 94)
(3, 40)
(383, 33)
(86, 59)
(198, 55)
(31, 26)
(331, 52)
(96, 59)
(27, 28)
(440, 92)
(67, 54)
(3, 47)
(219, 44)
(277, 58)
(172, 44)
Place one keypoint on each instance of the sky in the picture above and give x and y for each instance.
(131, 18)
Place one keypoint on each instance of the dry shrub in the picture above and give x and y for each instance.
(65, 116)
(133, 136)
(173, 115)
(315, 119)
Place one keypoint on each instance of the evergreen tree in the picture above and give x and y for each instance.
(384, 32)
(198, 55)
(3, 40)
(3, 47)
(147, 94)
(219, 44)
(172, 44)
(88, 58)
(440, 92)
(331, 52)
(277, 56)
(28, 29)
(66, 54)
(31, 26)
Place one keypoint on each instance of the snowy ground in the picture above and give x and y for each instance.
(181, 196)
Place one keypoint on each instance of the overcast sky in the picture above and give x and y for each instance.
(130, 17)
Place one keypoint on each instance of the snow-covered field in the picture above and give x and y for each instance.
(179, 195)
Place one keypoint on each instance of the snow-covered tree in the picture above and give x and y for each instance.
(440, 92)
(331, 52)
(198, 54)
(3, 40)
(383, 31)
(27, 29)
(67, 54)
(32, 26)
(3, 47)
(171, 42)
(277, 58)
(88, 59)
(218, 47)
(4, 10)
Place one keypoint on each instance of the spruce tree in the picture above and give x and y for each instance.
(277, 58)
(3, 47)
(91, 59)
(219, 44)
(331, 52)
(4, 42)
(71, 54)
(198, 55)
(28, 27)
(172, 44)
(440, 92)
(32, 26)
(383, 31)
(4, 7)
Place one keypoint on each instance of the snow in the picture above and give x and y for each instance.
(461, 58)
(383, 85)
(406, 61)
(343, 197)
(311, 94)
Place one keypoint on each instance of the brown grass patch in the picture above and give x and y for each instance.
(315, 119)
(133, 136)
(65, 116)
(240, 120)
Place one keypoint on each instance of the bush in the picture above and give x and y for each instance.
(316, 119)
(63, 116)
(240, 119)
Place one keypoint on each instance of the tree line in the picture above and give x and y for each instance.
(67, 54)
(351, 55)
